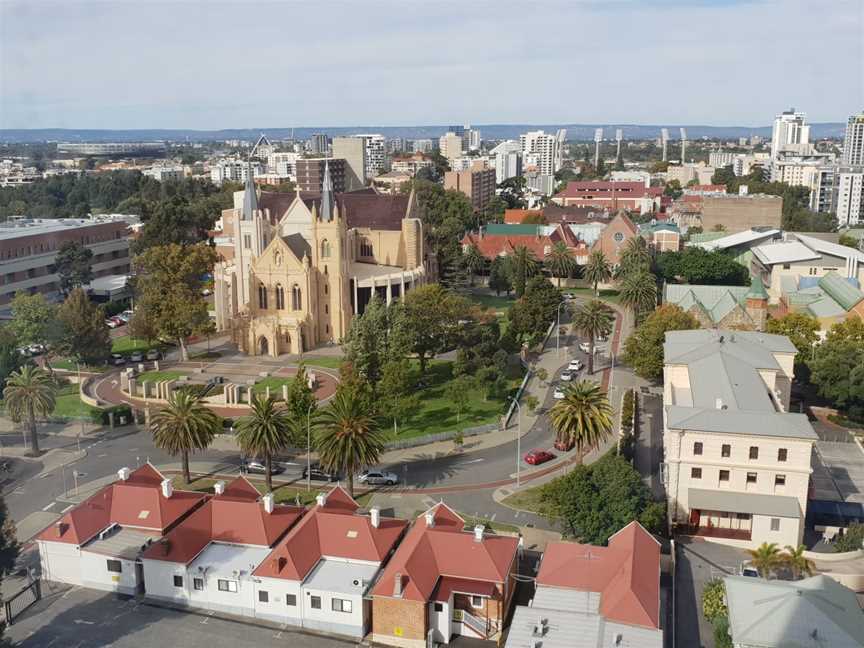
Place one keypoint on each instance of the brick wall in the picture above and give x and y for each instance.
(398, 622)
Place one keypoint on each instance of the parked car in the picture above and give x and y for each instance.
(747, 569)
(566, 376)
(558, 394)
(117, 320)
(127, 314)
(258, 468)
(153, 354)
(564, 445)
(317, 473)
(136, 356)
(117, 359)
(575, 365)
(372, 477)
(537, 457)
(36, 349)
(112, 324)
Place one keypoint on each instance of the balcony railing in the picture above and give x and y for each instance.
(717, 532)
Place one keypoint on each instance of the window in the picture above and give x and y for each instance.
(291, 599)
(178, 581)
(262, 297)
(476, 601)
(726, 450)
(775, 524)
(696, 473)
(754, 452)
(366, 248)
(751, 478)
(115, 566)
(724, 475)
(786, 266)
(326, 290)
(296, 298)
(227, 585)
(782, 453)
(198, 584)
(315, 602)
(439, 607)
(247, 241)
(697, 448)
(779, 480)
(263, 597)
(326, 309)
(280, 297)
(742, 516)
(340, 605)
(325, 249)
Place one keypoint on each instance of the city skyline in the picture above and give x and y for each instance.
(168, 65)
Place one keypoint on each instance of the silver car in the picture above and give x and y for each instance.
(375, 477)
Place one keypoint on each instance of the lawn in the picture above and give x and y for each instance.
(530, 499)
(612, 296)
(498, 527)
(328, 362)
(126, 344)
(275, 385)
(285, 494)
(70, 405)
(68, 365)
(151, 376)
(498, 303)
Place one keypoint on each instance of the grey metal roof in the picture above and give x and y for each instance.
(339, 576)
(566, 629)
(733, 380)
(572, 600)
(121, 542)
(770, 424)
(681, 342)
(815, 612)
(736, 502)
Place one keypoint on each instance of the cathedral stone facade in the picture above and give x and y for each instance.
(296, 268)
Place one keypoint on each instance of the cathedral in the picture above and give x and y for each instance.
(296, 267)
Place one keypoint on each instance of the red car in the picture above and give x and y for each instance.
(564, 445)
(537, 457)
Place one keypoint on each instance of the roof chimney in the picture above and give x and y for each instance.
(279, 563)
(268, 502)
(430, 519)
(478, 533)
(375, 516)
(321, 499)
(397, 585)
(219, 487)
(123, 473)
(61, 528)
(167, 488)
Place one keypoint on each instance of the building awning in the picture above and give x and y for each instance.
(448, 586)
(753, 503)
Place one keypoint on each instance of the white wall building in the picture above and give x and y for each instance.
(376, 154)
(790, 133)
(849, 195)
(853, 143)
(547, 148)
(450, 146)
(166, 173)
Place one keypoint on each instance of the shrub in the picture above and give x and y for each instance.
(722, 639)
(628, 412)
(118, 411)
(851, 540)
(714, 600)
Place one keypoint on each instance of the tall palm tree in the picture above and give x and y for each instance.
(639, 292)
(349, 435)
(765, 558)
(593, 319)
(583, 416)
(560, 261)
(30, 392)
(523, 264)
(798, 563)
(474, 261)
(598, 270)
(265, 431)
(635, 257)
(183, 426)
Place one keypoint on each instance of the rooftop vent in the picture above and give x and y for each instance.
(321, 499)
(123, 473)
(167, 488)
(268, 502)
(478, 533)
(375, 516)
(397, 585)
(430, 519)
(219, 487)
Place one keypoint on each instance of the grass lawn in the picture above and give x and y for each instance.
(499, 527)
(498, 303)
(127, 344)
(63, 363)
(529, 499)
(275, 385)
(605, 295)
(159, 375)
(70, 405)
(286, 494)
(328, 362)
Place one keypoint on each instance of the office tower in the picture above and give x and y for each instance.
(421, 145)
(598, 137)
(790, 133)
(848, 195)
(477, 183)
(318, 144)
(664, 142)
(544, 148)
(853, 143)
(450, 145)
(353, 151)
(310, 174)
(376, 156)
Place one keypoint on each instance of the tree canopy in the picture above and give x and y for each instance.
(74, 265)
(643, 350)
(432, 316)
(837, 367)
(694, 265)
(82, 335)
(531, 315)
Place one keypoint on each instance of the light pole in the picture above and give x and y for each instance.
(518, 438)
(309, 448)
(558, 327)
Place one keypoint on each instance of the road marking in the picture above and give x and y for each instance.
(51, 505)
(71, 506)
(133, 449)
(472, 461)
(84, 622)
(102, 455)
(45, 475)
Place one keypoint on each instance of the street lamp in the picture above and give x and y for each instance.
(518, 438)
(309, 448)
(558, 326)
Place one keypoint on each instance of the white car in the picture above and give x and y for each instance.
(566, 376)
(378, 477)
(558, 394)
(112, 324)
(575, 365)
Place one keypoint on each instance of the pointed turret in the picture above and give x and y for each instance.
(250, 197)
(326, 195)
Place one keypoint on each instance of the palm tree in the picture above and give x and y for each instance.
(593, 319)
(639, 292)
(349, 435)
(635, 257)
(474, 261)
(583, 416)
(560, 261)
(183, 426)
(765, 558)
(30, 392)
(523, 264)
(598, 270)
(798, 563)
(265, 431)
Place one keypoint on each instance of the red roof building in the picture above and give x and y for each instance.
(441, 573)
(633, 196)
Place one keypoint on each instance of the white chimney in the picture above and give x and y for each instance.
(718, 403)
(397, 585)
(268, 502)
(375, 516)
(478, 533)
(321, 499)
(219, 487)
(167, 488)
(123, 473)
(430, 519)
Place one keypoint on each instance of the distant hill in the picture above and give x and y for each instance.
(488, 131)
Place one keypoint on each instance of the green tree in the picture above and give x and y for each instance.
(349, 435)
(185, 425)
(531, 315)
(32, 319)
(639, 293)
(766, 558)
(376, 336)
(264, 432)
(523, 266)
(837, 367)
(29, 392)
(73, 263)
(851, 540)
(593, 319)
(598, 270)
(458, 392)
(801, 329)
(83, 336)
(395, 397)
(643, 350)
(446, 216)
(583, 416)
(9, 550)
(560, 261)
(673, 189)
(301, 398)
(849, 241)
(697, 266)
(635, 258)
(499, 276)
(795, 559)
(433, 316)
(10, 357)
(475, 262)
(168, 291)
(714, 600)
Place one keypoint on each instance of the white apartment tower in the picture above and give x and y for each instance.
(790, 133)
(376, 154)
(853, 144)
(545, 148)
(450, 145)
(849, 195)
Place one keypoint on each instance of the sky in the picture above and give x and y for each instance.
(210, 64)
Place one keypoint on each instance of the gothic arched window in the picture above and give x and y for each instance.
(280, 297)
(262, 297)
(366, 248)
(325, 249)
(296, 298)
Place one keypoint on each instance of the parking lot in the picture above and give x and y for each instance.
(80, 618)
(838, 472)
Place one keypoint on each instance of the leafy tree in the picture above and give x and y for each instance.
(523, 266)
(168, 291)
(643, 350)
(593, 319)
(433, 315)
(395, 397)
(378, 335)
(721, 633)
(560, 261)
(458, 392)
(494, 210)
(697, 266)
(499, 276)
(10, 357)
(583, 416)
(475, 262)
(183, 426)
(349, 435)
(446, 216)
(264, 432)
(766, 558)
(531, 315)
(795, 559)
(639, 293)
(714, 600)
(635, 258)
(598, 270)
(300, 397)
(851, 540)
(801, 329)
(9, 550)
(837, 367)
(849, 241)
(29, 392)
(32, 319)
(73, 263)
(673, 188)
(83, 335)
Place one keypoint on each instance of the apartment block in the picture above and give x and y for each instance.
(737, 213)
(478, 183)
(353, 151)
(450, 145)
(853, 143)
(310, 175)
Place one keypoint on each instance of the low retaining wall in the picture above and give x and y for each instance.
(82, 392)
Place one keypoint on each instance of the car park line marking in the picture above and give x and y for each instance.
(51, 505)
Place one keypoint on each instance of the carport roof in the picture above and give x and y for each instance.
(752, 503)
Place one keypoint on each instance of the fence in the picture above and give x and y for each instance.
(18, 603)
(441, 436)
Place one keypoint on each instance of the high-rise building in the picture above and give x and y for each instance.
(546, 148)
(311, 171)
(790, 133)
(471, 140)
(318, 144)
(376, 154)
(421, 146)
(450, 145)
(397, 145)
(353, 151)
(478, 183)
(853, 144)
(848, 195)
(508, 160)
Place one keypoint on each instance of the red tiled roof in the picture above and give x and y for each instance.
(447, 585)
(493, 245)
(334, 530)
(426, 555)
(578, 189)
(137, 502)
(236, 516)
(626, 574)
(516, 216)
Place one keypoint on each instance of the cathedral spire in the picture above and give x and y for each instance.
(250, 197)
(327, 194)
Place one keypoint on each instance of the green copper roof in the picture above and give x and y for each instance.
(504, 229)
(840, 290)
(757, 289)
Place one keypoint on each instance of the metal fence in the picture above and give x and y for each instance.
(18, 603)
(441, 436)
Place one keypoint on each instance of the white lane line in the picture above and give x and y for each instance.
(102, 455)
(51, 505)
(71, 506)
(81, 621)
(473, 461)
